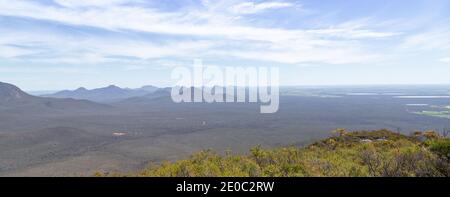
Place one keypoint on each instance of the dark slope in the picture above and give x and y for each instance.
(10, 93)
(13, 99)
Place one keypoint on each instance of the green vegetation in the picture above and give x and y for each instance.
(440, 146)
(363, 153)
(441, 114)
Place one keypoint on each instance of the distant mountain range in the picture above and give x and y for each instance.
(13, 99)
(111, 95)
(108, 94)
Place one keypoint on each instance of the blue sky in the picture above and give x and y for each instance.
(65, 44)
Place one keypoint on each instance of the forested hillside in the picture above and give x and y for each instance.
(362, 153)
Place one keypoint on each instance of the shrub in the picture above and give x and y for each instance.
(364, 153)
(440, 146)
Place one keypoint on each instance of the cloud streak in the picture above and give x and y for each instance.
(437, 39)
(445, 60)
(213, 33)
(252, 8)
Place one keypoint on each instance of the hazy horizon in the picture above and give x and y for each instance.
(282, 86)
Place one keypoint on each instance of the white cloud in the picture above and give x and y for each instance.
(430, 40)
(12, 52)
(57, 48)
(214, 27)
(92, 3)
(251, 7)
(329, 55)
(445, 60)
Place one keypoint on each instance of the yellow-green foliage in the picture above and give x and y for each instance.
(376, 153)
(440, 146)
